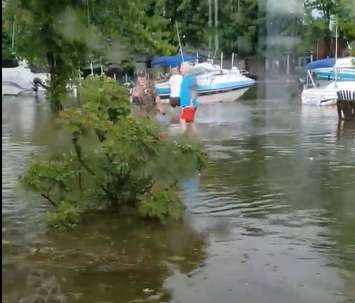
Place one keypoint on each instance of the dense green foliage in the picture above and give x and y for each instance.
(247, 32)
(51, 34)
(316, 19)
(111, 29)
(257, 27)
(241, 25)
(117, 161)
(346, 13)
(7, 52)
(135, 26)
(64, 35)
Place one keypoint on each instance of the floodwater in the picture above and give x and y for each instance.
(271, 220)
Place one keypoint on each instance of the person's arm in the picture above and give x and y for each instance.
(194, 89)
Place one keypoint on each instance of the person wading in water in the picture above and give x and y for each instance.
(188, 97)
(175, 84)
(144, 97)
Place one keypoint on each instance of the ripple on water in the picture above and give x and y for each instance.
(20, 213)
(228, 203)
(274, 217)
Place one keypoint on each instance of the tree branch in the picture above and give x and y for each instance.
(54, 204)
(84, 165)
(78, 155)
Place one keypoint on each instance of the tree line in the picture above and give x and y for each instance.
(66, 34)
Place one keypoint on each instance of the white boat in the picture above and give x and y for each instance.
(214, 84)
(222, 96)
(325, 69)
(342, 78)
(20, 79)
(324, 92)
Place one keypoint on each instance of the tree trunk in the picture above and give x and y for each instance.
(55, 90)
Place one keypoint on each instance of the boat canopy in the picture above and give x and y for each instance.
(174, 61)
(347, 62)
(324, 63)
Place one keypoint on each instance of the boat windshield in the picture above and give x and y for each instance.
(314, 81)
(199, 70)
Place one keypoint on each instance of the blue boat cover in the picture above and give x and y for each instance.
(173, 60)
(324, 63)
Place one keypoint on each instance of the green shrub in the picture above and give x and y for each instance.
(66, 216)
(162, 204)
(117, 161)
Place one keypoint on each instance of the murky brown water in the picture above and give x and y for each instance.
(272, 219)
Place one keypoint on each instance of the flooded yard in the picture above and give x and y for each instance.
(271, 219)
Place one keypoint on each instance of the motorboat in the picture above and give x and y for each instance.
(325, 78)
(320, 92)
(21, 79)
(340, 73)
(325, 69)
(214, 84)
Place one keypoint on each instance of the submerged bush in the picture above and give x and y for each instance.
(161, 203)
(115, 162)
(66, 216)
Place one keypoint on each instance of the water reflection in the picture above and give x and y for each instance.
(275, 203)
(107, 259)
(114, 259)
(346, 129)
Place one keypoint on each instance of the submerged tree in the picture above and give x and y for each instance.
(116, 162)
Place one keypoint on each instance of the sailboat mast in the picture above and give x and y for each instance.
(336, 50)
(13, 34)
(210, 24)
(88, 11)
(216, 25)
(177, 30)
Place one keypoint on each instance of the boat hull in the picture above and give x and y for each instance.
(326, 95)
(163, 90)
(211, 80)
(19, 80)
(10, 89)
(228, 96)
(345, 74)
(13, 89)
(317, 96)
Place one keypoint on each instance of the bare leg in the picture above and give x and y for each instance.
(193, 127)
(183, 125)
(158, 104)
